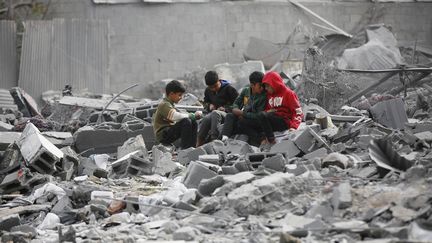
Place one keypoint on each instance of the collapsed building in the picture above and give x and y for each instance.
(85, 166)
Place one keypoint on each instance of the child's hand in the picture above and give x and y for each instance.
(198, 115)
(221, 108)
(211, 107)
(237, 112)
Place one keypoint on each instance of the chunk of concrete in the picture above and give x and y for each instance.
(390, 113)
(237, 147)
(319, 153)
(131, 145)
(9, 221)
(341, 198)
(240, 178)
(210, 158)
(246, 200)
(196, 171)
(256, 159)
(187, 233)
(37, 151)
(5, 126)
(286, 146)
(207, 186)
(162, 161)
(336, 159)
(229, 170)
(426, 136)
(190, 154)
(276, 162)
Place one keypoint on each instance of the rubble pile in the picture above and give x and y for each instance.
(346, 177)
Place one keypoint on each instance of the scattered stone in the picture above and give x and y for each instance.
(186, 233)
(342, 196)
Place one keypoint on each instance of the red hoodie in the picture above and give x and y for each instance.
(283, 100)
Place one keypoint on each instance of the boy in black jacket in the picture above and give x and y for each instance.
(218, 99)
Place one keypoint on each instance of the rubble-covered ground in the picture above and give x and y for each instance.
(359, 175)
(79, 170)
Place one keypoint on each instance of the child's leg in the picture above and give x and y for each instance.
(204, 129)
(188, 133)
(229, 125)
(217, 118)
(270, 122)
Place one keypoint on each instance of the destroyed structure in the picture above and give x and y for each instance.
(84, 167)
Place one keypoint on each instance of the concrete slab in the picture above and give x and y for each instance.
(196, 172)
(390, 113)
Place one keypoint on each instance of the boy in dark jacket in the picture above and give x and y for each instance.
(218, 99)
(170, 124)
(247, 106)
(282, 112)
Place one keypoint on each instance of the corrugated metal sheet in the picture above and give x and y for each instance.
(6, 100)
(60, 52)
(8, 56)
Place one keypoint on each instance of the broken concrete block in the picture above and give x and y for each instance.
(162, 161)
(207, 186)
(50, 222)
(305, 141)
(286, 146)
(324, 210)
(237, 147)
(240, 178)
(5, 126)
(186, 234)
(196, 171)
(336, 159)
(319, 153)
(190, 154)
(271, 182)
(390, 113)
(21, 180)
(276, 162)
(9, 221)
(296, 169)
(8, 138)
(131, 145)
(89, 140)
(229, 170)
(140, 166)
(256, 159)
(426, 136)
(242, 166)
(38, 152)
(243, 200)
(341, 198)
(210, 158)
(367, 172)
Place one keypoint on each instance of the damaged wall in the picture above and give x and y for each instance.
(150, 42)
(8, 55)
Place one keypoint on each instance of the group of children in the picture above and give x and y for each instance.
(266, 105)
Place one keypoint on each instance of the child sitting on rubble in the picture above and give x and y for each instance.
(218, 99)
(282, 112)
(170, 124)
(246, 108)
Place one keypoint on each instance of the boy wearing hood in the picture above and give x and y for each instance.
(282, 112)
(218, 99)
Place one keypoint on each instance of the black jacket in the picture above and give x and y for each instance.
(225, 96)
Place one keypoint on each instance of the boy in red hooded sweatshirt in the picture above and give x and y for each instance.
(282, 112)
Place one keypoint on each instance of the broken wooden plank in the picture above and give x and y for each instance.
(340, 31)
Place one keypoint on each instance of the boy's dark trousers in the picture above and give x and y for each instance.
(263, 127)
(185, 129)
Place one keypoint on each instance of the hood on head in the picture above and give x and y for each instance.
(224, 82)
(274, 80)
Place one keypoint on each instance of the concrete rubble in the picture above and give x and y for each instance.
(86, 170)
